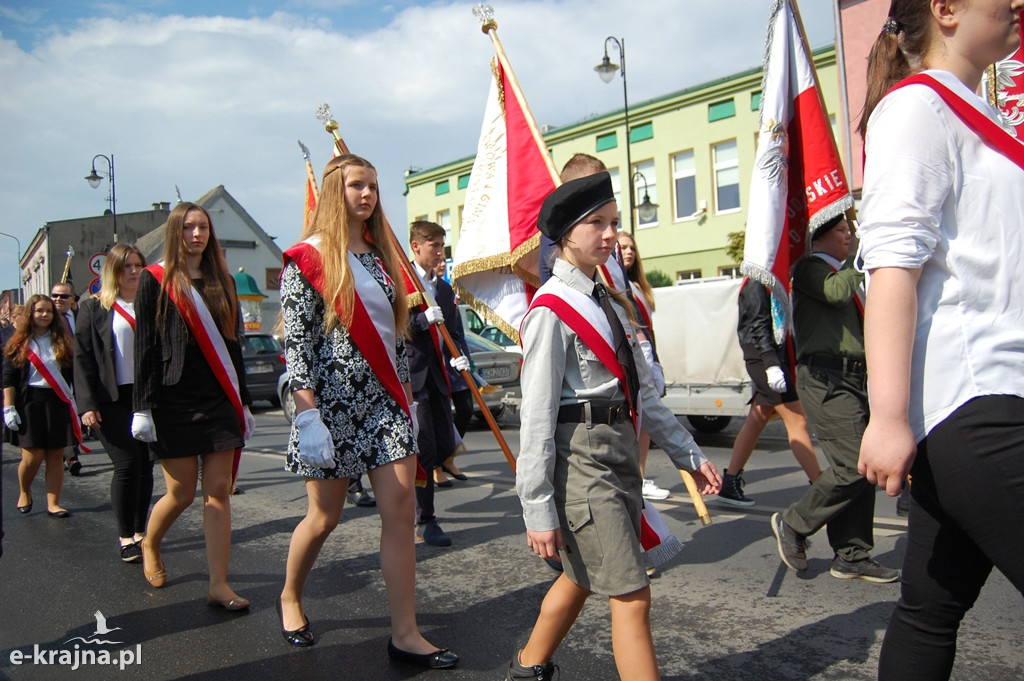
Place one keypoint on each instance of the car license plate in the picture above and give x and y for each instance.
(495, 373)
(261, 368)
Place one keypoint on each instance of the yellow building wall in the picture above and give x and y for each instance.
(679, 122)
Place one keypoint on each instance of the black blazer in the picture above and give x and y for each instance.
(423, 360)
(160, 352)
(94, 357)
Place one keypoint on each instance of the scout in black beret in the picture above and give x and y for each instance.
(823, 229)
(573, 201)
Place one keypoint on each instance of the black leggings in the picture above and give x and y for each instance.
(954, 536)
(131, 487)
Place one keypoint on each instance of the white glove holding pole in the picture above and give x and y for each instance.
(434, 315)
(11, 418)
(250, 423)
(316, 448)
(415, 420)
(143, 428)
(460, 363)
(776, 379)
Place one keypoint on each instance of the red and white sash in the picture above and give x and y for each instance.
(127, 316)
(201, 325)
(584, 316)
(372, 328)
(994, 135)
(419, 302)
(51, 374)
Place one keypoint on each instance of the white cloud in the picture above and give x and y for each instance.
(198, 101)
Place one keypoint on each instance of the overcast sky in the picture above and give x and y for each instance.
(198, 94)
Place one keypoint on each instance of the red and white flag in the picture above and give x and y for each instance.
(495, 261)
(798, 182)
(1009, 86)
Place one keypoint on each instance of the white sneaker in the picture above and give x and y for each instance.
(652, 491)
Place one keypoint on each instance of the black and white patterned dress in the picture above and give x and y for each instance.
(368, 427)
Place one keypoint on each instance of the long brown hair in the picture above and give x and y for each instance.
(60, 335)
(330, 224)
(113, 267)
(219, 287)
(898, 51)
(635, 272)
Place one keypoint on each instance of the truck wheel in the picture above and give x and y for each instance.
(708, 424)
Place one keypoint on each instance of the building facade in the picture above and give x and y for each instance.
(692, 154)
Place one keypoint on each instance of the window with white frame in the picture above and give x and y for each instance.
(444, 218)
(727, 176)
(684, 183)
(685, 275)
(645, 171)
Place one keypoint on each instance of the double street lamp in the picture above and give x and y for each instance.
(606, 69)
(94, 179)
(647, 210)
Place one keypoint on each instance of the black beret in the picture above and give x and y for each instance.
(573, 201)
(823, 229)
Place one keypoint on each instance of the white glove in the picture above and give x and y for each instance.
(415, 420)
(776, 379)
(658, 379)
(434, 315)
(250, 424)
(316, 448)
(460, 363)
(11, 418)
(143, 427)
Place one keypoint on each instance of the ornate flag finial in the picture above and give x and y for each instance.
(485, 15)
(305, 151)
(323, 112)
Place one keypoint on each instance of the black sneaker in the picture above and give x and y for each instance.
(73, 466)
(537, 672)
(792, 546)
(132, 553)
(866, 569)
(732, 490)
(431, 533)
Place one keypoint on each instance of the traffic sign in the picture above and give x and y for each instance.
(96, 263)
(94, 286)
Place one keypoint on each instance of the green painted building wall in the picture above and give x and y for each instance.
(695, 148)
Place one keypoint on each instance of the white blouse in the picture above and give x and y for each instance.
(936, 197)
(124, 343)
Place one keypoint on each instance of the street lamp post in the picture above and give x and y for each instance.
(17, 241)
(94, 179)
(606, 69)
(647, 210)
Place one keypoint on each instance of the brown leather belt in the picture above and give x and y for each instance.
(604, 414)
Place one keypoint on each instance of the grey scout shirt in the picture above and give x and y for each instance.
(559, 369)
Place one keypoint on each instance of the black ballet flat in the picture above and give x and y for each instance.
(439, 659)
(458, 476)
(301, 637)
(25, 509)
(58, 514)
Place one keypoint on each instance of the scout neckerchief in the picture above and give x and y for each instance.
(990, 132)
(125, 314)
(582, 314)
(418, 301)
(50, 372)
(200, 324)
(372, 328)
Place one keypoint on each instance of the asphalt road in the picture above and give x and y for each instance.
(724, 609)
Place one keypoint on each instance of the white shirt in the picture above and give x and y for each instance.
(429, 281)
(124, 343)
(43, 347)
(936, 197)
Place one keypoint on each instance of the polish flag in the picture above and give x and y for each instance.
(312, 194)
(798, 182)
(495, 261)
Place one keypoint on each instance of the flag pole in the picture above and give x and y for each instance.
(324, 112)
(490, 27)
(310, 175)
(851, 212)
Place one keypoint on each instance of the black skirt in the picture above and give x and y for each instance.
(45, 421)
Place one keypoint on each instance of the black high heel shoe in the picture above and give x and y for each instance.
(458, 476)
(301, 637)
(439, 659)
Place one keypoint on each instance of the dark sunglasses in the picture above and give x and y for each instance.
(62, 296)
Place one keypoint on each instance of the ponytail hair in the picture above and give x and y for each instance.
(898, 51)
